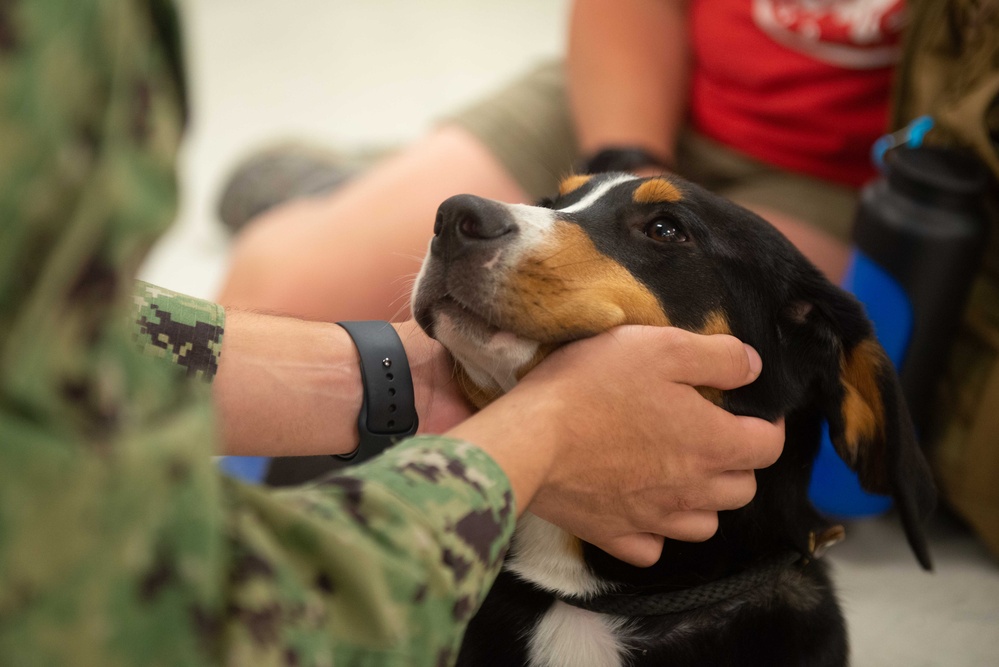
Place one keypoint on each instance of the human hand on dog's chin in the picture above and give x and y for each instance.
(608, 438)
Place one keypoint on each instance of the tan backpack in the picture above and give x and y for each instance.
(950, 70)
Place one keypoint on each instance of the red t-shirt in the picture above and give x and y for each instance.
(799, 84)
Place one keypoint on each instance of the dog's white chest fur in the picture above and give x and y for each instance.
(546, 556)
(567, 635)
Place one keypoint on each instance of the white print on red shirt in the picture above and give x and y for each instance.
(856, 34)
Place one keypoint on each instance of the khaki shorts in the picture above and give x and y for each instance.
(527, 126)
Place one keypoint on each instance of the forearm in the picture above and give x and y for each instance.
(286, 387)
(293, 387)
(397, 554)
(627, 73)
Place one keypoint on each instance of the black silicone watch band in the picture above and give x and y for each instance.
(388, 408)
(623, 158)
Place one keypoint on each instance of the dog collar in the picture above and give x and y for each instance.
(688, 599)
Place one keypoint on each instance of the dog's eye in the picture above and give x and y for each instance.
(664, 230)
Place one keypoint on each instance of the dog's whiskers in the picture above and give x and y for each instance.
(405, 255)
(558, 252)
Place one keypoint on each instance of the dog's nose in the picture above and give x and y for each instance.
(467, 219)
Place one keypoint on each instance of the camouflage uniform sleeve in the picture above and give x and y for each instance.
(383, 564)
(119, 542)
(392, 558)
(179, 329)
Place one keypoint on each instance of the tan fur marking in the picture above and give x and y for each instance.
(656, 190)
(571, 183)
(863, 410)
(478, 396)
(567, 289)
(716, 396)
(714, 323)
(573, 545)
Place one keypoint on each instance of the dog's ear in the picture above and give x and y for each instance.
(860, 396)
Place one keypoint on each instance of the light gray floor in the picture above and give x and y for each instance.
(357, 74)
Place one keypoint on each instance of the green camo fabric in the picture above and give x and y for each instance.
(119, 542)
(181, 330)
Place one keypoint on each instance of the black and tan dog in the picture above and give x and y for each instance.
(503, 285)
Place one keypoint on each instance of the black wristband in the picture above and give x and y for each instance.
(388, 408)
(623, 158)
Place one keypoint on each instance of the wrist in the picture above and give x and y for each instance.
(440, 401)
(523, 435)
(339, 390)
(422, 362)
(628, 158)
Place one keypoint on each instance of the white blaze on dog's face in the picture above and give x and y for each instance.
(503, 284)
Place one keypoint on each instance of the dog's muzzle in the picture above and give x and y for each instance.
(469, 224)
(473, 240)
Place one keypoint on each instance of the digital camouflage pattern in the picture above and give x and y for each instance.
(119, 542)
(179, 329)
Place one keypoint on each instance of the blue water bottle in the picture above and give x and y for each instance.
(919, 234)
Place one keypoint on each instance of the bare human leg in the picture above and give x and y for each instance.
(353, 254)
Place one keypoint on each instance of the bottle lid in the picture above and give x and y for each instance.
(933, 171)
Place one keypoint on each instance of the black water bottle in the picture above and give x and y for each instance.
(919, 234)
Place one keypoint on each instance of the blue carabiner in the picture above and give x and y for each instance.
(911, 135)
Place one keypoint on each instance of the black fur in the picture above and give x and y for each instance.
(805, 329)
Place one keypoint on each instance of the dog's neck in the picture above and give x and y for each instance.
(779, 519)
(484, 380)
(558, 562)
